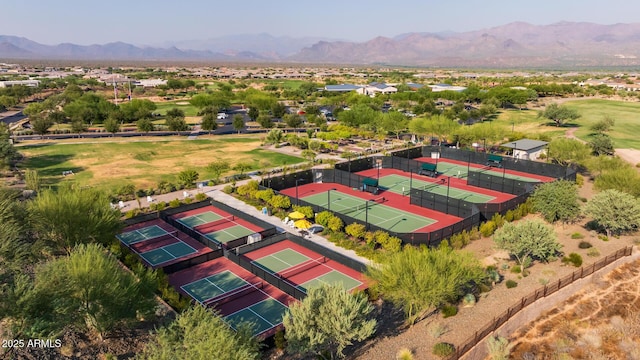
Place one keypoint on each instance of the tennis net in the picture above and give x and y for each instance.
(235, 293)
(302, 267)
(362, 207)
(156, 242)
(214, 225)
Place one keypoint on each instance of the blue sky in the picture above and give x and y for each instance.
(155, 22)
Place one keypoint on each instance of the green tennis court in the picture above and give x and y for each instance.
(262, 316)
(333, 277)
(213, 286)
(401, 185)
(386, 217)
(167, 253)
(457, 170)
(281, 260)
(225, 235)
(142, 234)
(200, 219)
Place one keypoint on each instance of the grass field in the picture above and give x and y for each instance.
(163, 107)
(525, 121)
(144, 162)
(627, 123)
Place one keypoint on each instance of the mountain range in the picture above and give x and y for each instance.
(512, 45)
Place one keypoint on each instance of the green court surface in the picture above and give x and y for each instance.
(231, 233)
(143, 234)
(261, 316)
(167, 253)
(332, 278)
(401, 184)
(281, 260)
(200, 219)
(450, 169)
(213, 286)
(383, 216)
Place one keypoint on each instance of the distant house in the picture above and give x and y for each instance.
(415, 87)
(526, 149)
(446, 87)
(377, 88)
(29, 83)
(150, 82)
(341, 88)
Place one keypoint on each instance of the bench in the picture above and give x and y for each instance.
(494, 160)
(428, 169)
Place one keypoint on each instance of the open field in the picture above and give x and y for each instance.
(627, 122)
(525, 121)
(145, 161)
(163, 107)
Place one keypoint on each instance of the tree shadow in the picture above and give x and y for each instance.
(391, 322)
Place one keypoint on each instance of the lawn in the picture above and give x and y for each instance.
(110, 163)
(163, 107)
(627, 122)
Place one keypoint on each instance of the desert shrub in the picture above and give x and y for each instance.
(499, 348)
(370, 239)
(280, 340)
(228, 189)
(174, 203)
(474, 233)
(460, 240)
(573, 259)
(511, 284)
(355, 230)
(469, 300)
(335, 223)
(393, 244)
(153, 206)
(161, 206)
(323, 218)
(188, 200)
(498, 219)
(603, 237)
(443, 349)
(488, 228)
(437, 329)
(579, 180)
(493, 275)
(577, 235)
(449, 310)
(516, 269)
(404, 354)
(264, 195)
(593, 252)
(306, 210)
(280, 202)
(201, 196)
(585, 245)
(131, 213)
(508, 217)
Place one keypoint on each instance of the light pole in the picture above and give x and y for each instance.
(329, 199)
(297, 198)
(448, 183)
(410, 179)
(366, 213)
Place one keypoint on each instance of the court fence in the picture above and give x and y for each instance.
(287, 181)
(181, 265)
(236, 255)
(492, 181)
(167, 216)
(539, 293)
(443, 203)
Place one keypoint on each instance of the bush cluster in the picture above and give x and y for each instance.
(511, 284)
(573, 259)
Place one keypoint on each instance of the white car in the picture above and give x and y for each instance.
(222, 116)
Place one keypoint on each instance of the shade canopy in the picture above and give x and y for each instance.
(296, 215)
(302, 224)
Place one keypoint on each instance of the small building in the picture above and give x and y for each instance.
(341, 88)
(377, 88)
(527, 149)
(28, 83)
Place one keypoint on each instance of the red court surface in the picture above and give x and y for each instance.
(151, 244)
(499, 197)
(203, 228)
(305, 276)
(393, 200)
(480, 166)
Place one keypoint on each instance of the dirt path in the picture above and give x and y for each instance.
(630, 155)
(570, 134)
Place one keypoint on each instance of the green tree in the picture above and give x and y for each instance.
(242, 167)
(422, 279)
(274, 136)
(40, 125)
(293, 120)
(188, 177)
(112, 125)
(528, 240)
(175, 120)
(265, 121)
(278, 110)
(8, 152)
(393, 122)
(603, 125)
(601, 144)
(218, 167)
(280, 202)
(557, 201)
(310, 155)
(144, 125)
(89, 289)
(568, 151)
(238, 123)
(253, 113)
(200, 334)
(327, 321)
(209, 123)
(559, 114)
(78, 126)
(70, 216)
(137, 109)
(615, 211)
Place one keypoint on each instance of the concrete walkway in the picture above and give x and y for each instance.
(215, 193)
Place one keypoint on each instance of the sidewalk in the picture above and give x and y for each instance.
(215, 193)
